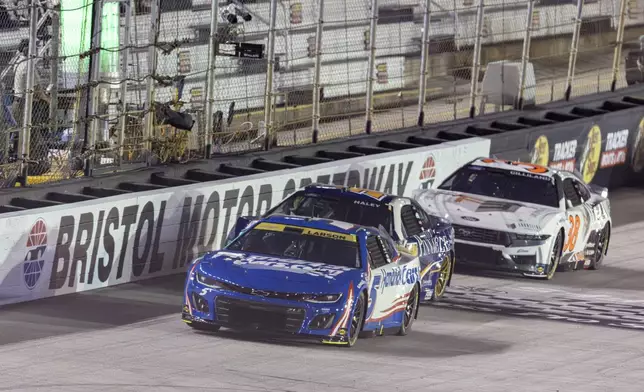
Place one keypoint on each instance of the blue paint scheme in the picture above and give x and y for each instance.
(434, 244)
(267, 281)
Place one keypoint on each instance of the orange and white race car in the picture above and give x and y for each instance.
(523, 218)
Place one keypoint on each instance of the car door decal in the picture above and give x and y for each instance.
(390, 284)
(574, 222)
(373, 294)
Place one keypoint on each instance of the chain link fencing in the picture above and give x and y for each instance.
(293, 75)
(14, 25)
(240, 74)
(110, 79)
(593, 71)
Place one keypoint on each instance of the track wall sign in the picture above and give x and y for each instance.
(83, 246)
(606, 150)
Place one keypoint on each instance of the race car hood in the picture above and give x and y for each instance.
(487, 212)
(277, 274)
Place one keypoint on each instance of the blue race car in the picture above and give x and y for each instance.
(419, 233)
(306, 277)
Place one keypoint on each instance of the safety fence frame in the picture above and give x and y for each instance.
(121, 104)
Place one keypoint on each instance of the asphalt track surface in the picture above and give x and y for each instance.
(583, 331)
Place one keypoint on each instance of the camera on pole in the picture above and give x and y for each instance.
(232, 12)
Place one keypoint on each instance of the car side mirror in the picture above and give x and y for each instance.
(410, 248)
(600, 190)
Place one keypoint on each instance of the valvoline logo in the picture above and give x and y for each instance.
(36, 247)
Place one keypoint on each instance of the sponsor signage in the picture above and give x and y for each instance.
(602, 151)
(99, 243)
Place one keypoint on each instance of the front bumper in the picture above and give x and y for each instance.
(325, 323)
(526, 261)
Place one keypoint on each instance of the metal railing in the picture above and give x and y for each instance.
(95, 86)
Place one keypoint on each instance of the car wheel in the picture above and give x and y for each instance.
(357, 320)
(600, 248)
(204, 327)
(410, 311)
(555, 256)
(443, 278)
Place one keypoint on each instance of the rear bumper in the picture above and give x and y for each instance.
(523, 261)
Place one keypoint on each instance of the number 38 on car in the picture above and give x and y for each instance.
(524, 218)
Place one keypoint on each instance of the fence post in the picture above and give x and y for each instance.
(318, 67)
(271, 137)
(25, 134)
(150, 86)
(125, 53)
(574, 50)
(54, 60)
(371, 65)
(424, 54)
(94, 84)
(525, 56)
(210, 82)
(476, 59)
(619, 43)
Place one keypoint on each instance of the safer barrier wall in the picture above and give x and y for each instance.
(83, 246)
(607, 149)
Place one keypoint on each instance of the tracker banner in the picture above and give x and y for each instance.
(604, 151)
(99, 243)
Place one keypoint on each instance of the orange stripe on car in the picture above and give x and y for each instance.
(188, 298)
(346, 313)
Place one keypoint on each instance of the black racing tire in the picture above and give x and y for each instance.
(357, 320)
(444, 276)
(555, 256)
(197, 326)
(601, 246)
(410, 311)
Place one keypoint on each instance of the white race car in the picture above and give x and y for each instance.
(523, 218)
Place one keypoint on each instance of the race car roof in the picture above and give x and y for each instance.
(350, 193)
(315, 223)
(521, 167)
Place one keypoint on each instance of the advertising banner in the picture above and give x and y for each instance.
(88, 245)
(604, 149)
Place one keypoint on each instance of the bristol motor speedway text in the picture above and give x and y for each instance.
(88, 247)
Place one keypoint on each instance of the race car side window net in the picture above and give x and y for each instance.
(378, 258)
(410, 221)
(571, 192)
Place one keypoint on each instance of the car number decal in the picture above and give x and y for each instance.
(573, 232)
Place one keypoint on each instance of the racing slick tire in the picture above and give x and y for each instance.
(444, 276)
(555, 256)
(197, 326)
(357, 320)
(599, 251)
(410, 311)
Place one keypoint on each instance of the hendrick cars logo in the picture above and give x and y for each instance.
(36, 246)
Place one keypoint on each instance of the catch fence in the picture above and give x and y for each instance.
(100, 86)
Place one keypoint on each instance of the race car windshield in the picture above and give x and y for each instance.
(296, 244)
(346, 210)
(504, 184)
